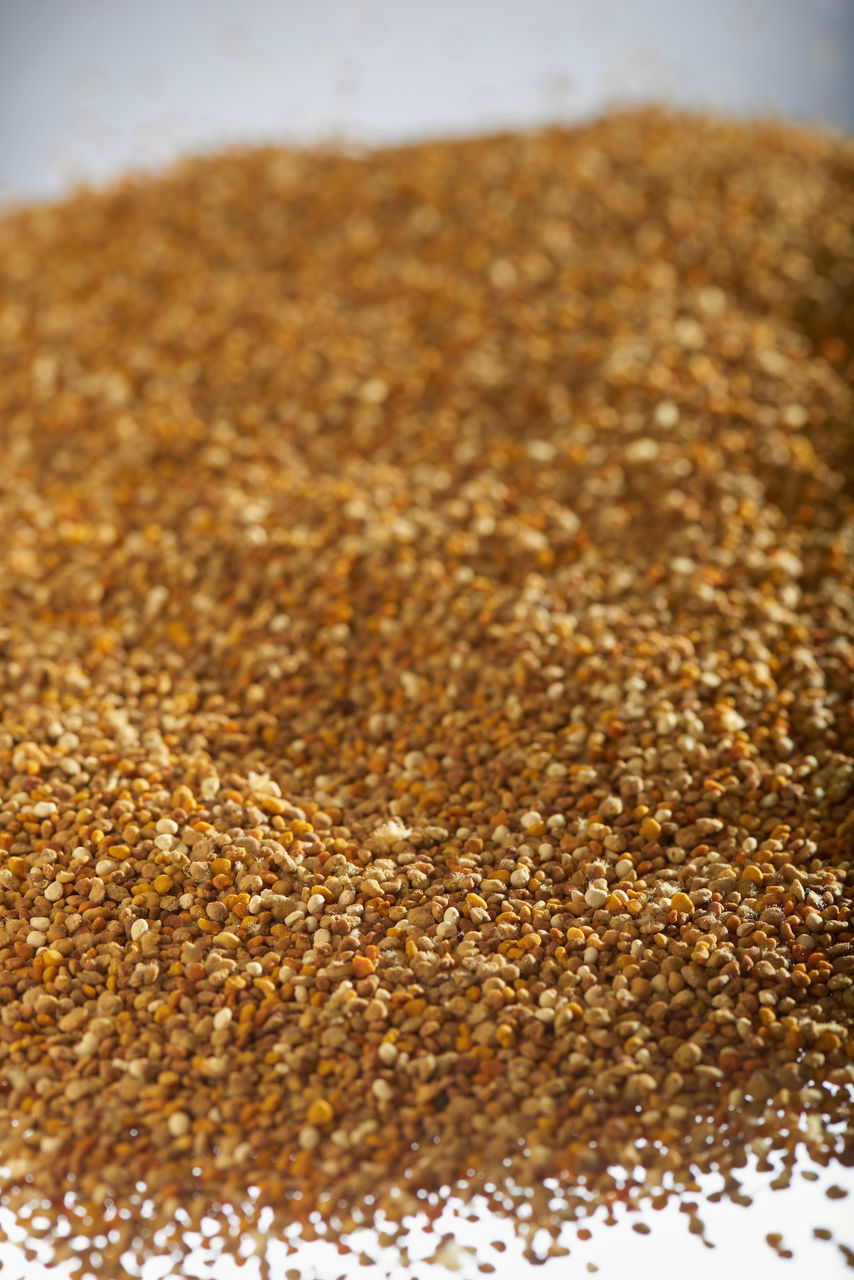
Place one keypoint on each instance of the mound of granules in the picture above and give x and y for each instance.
(426, 754)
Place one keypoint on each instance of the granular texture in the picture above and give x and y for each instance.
(427, 751)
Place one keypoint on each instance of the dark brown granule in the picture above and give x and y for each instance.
(426, 750)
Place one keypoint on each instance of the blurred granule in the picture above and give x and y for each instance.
(426, 746)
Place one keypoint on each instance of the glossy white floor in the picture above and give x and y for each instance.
(669, 1252)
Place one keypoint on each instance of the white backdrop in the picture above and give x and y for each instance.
(92, 87)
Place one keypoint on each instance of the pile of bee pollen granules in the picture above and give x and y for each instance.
(427, 629)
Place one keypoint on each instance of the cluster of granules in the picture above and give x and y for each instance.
(426, 756)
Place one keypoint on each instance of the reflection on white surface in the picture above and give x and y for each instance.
(90, 87)
(736, 1244)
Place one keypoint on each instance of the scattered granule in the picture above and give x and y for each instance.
(426, 750)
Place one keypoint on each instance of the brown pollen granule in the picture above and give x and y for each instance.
(426, 743)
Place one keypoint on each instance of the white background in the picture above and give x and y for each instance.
(89, 88)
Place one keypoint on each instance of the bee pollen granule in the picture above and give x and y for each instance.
(426, 750)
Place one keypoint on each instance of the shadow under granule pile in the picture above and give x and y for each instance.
(426, 754)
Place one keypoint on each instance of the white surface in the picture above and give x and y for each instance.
(92, 87)
(667, 1253)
